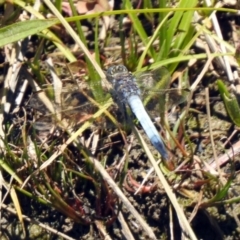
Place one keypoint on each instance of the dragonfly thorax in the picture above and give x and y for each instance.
(123, 83)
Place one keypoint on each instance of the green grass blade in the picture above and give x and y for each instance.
(185, 29)
(139, 27)
(150, 42)
(230, 102)
(7, 168)
(164, 28)
(178, 21)
(21, 30)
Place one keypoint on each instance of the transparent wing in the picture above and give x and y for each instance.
(154, 80)
(156, 91)
(71, 106)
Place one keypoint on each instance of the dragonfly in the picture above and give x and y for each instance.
(147, 88)
(126, 91)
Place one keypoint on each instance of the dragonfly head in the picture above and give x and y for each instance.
(116, 71)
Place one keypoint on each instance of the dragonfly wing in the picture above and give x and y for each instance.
(156, 92)
(154, 80)
(74, 108)
(153, 85)
(177, 96)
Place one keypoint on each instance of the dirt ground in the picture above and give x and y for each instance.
(100, 217)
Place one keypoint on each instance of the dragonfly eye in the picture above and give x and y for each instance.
(121, 69)
(111, 70)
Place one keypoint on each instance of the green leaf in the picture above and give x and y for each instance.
(9, 170)
(20, 30)
(222, 193)
(230, 103)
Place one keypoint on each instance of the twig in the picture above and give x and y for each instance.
(180, 214)
(125, 229)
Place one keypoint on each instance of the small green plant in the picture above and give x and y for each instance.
(230, 102)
